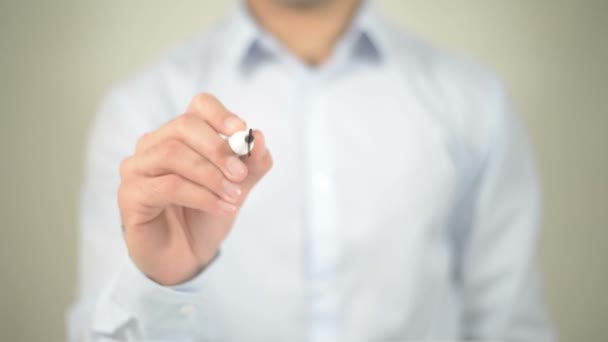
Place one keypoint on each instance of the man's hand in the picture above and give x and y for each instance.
(181, 190)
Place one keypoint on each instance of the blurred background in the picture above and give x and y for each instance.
(57, 58)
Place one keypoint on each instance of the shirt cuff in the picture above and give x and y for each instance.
(153, 310)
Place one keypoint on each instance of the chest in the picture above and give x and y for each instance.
(365, 138)
(363, 184)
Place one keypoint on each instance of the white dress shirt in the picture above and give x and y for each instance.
(403, 203)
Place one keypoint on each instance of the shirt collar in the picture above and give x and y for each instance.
(251, 45)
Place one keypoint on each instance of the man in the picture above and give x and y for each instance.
(399, 201)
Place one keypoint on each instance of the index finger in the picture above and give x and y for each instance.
(210, 109)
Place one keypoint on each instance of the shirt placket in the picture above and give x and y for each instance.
(321, 244)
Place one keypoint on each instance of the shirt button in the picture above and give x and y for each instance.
(187, 310)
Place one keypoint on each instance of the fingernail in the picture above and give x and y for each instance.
(232, 190)
(236, 167)
(226, 207)
(232, 124)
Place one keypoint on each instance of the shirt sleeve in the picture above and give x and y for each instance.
(115, 301)
(500, 286)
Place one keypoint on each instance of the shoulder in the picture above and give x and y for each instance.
(467, 97)
(449, 73)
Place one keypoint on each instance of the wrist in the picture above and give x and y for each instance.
(175, 276)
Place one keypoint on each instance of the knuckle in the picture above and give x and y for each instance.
(128, 198)
(168, 184)
(199, 163)
(215, 148)
(204, 99)
(183, 123)
(125, 168)
(169, 150)
(124, 195)
(142, 142)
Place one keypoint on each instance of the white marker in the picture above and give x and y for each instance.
(241, 142)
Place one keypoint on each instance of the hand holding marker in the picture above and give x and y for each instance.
(181, 190)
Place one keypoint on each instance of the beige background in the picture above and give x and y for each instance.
(58, 57)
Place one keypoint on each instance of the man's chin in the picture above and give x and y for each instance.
(303, 3)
